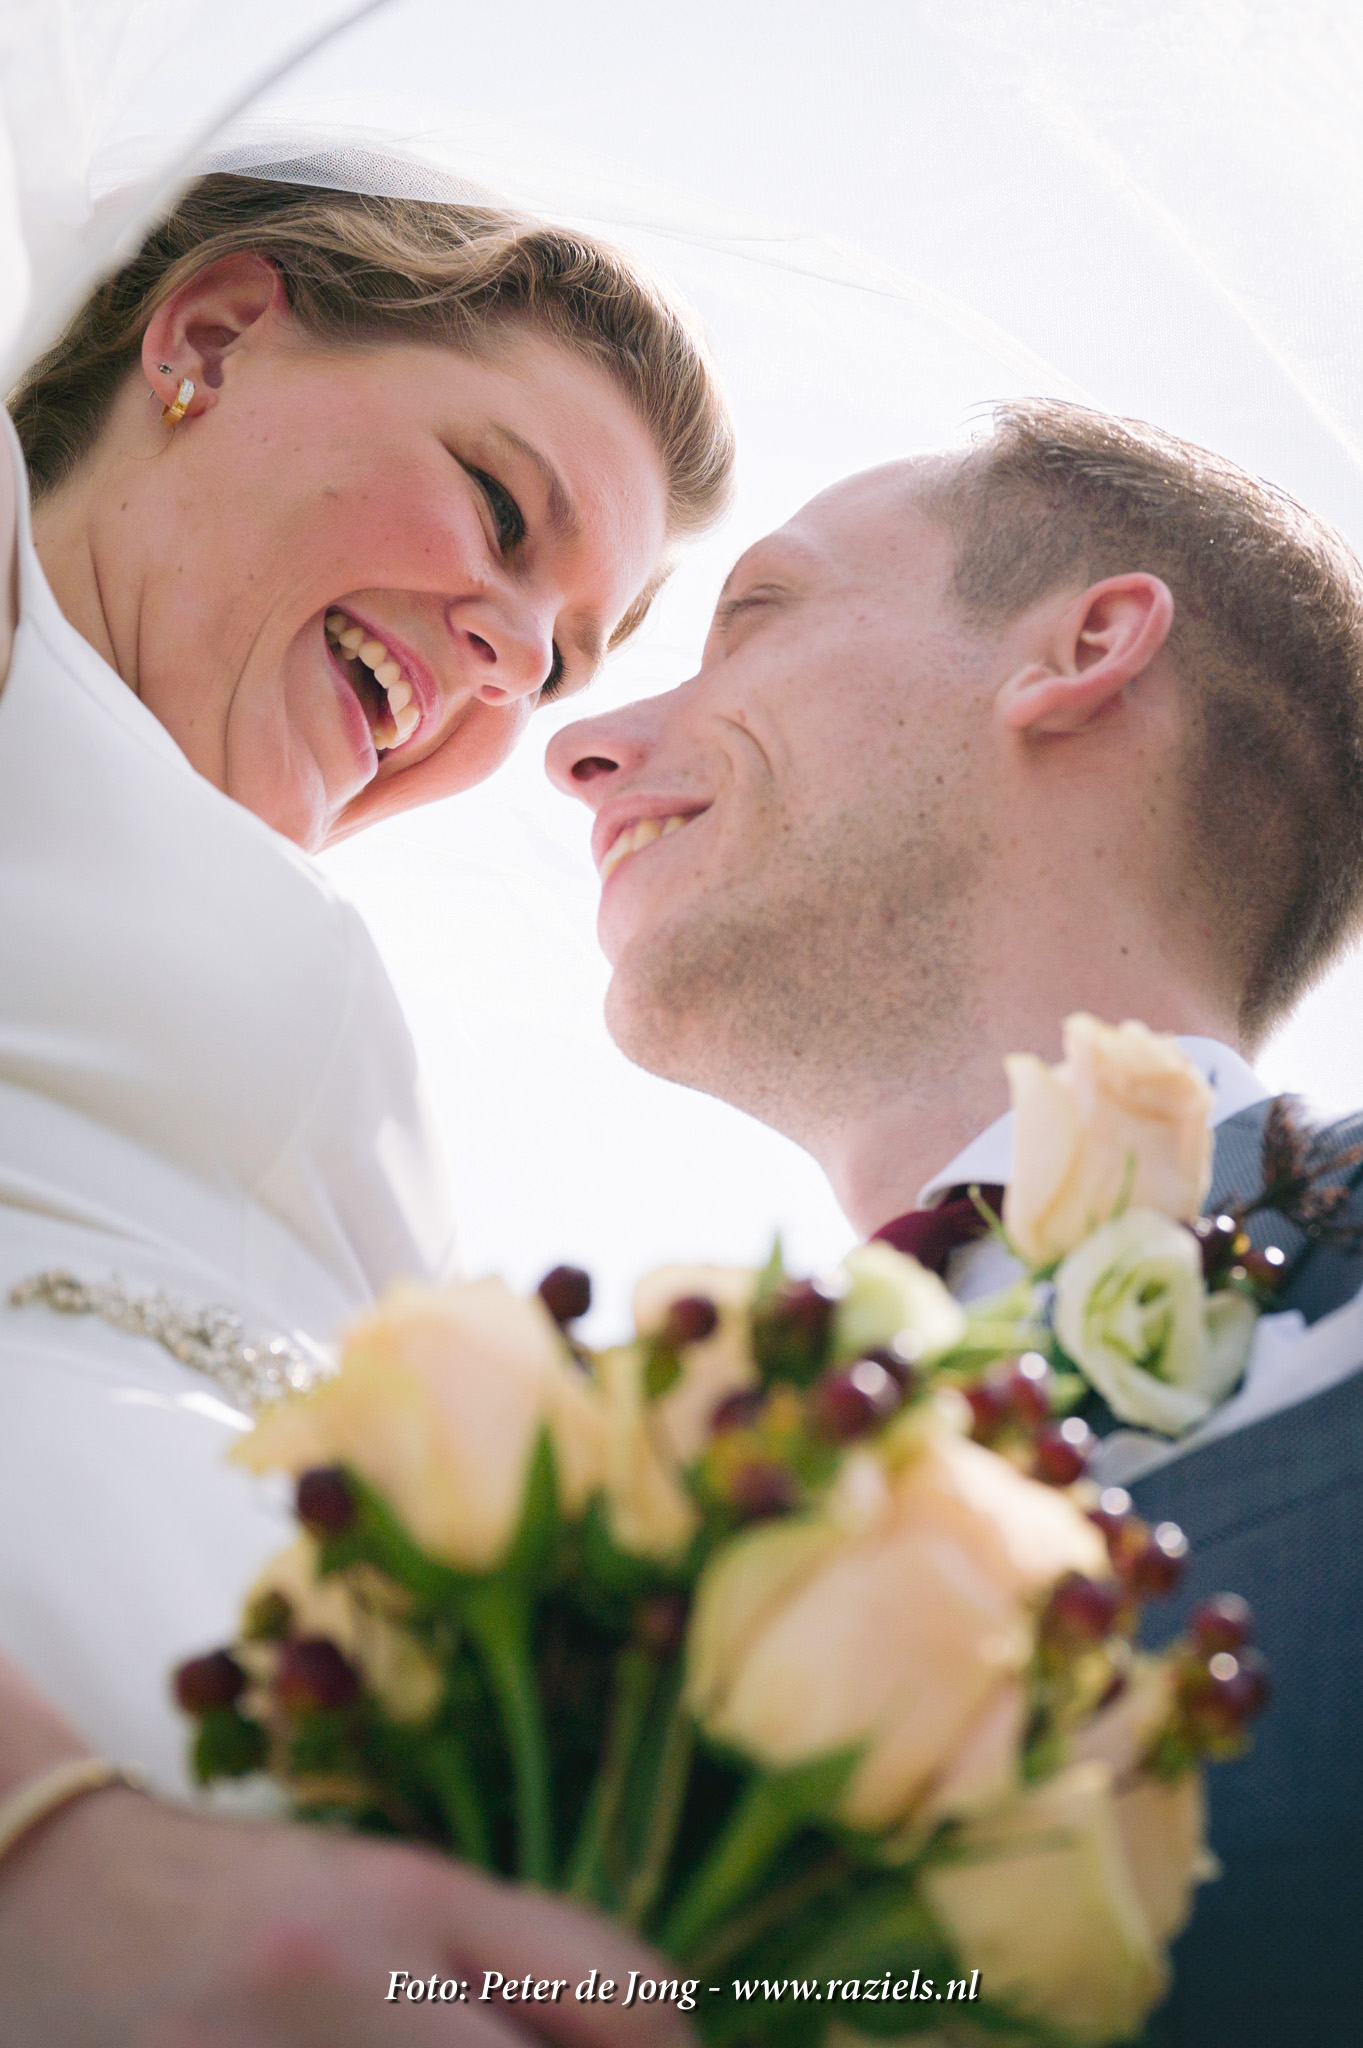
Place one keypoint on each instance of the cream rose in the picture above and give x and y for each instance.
(361, 1613)
(1123, 1117)
(899, 1628)
(440, 1400)
(651, 1440)
(1132, 1312)
(1065, 1896)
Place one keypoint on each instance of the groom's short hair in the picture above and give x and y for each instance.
(1267, 642)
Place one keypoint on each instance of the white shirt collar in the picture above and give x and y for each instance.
(989, 1157)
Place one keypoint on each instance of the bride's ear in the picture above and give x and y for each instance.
(1090, 652)
(194, 333)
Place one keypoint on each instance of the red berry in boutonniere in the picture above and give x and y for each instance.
(791, 1329)
(1221, 1240)
(660, 1625)
(1267, 1269)
(203, 1683)
(737, 1411)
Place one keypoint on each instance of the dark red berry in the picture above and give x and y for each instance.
(1222, 1623)
(325, 1502)
(761, 1488)
(988, 1408)
(1221, 1697)
(1081, 1610)
(660, 1624)
(566, 1293)
(207, 1682)
(1126, 1534)
(852, 1401)
(1157, 1566)
(737, 1411)
(1267, 1269)
(312, 1673)
(1218, 1237)
(1061, 1451)
(790, 1330)
(1028, 1390)
(690, 1320)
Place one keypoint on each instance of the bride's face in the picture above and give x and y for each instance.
(346, 579)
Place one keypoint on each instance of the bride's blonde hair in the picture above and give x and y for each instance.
(358, 270)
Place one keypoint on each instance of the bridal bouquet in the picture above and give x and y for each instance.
(790, 1631)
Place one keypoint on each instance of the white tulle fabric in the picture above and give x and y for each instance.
(206, 1086)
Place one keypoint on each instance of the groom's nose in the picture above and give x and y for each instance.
(590, 758)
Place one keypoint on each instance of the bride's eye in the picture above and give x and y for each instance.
(506, 513)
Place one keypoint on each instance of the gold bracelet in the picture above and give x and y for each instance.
(51, 1790)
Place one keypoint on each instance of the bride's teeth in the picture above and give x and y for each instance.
(372, 652)
(646, 831)
(406, 721)
(673, 825)
(399, 693)
(352, 639)
(387, 673)
(336, 624)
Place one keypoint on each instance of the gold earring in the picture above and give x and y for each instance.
(172, 414)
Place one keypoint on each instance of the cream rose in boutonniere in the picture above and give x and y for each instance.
(1123, 1121)
(1132, 1312)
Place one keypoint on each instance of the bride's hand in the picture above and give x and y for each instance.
(126, 1922)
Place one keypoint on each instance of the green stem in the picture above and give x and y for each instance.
(768, 1912)
(452, 1782)
(669, 1794)
(772, 1808)
(498, 1618)
(635, 1678)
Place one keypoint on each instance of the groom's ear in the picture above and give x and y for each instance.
(197, 328)
(1089, 652)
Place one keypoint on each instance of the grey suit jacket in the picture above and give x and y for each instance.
(1275, 1512)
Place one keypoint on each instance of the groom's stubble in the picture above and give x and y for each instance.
(847, 962)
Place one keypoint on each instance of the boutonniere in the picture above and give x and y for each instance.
(1151, 1303)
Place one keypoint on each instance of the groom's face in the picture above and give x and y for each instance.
(814, 795)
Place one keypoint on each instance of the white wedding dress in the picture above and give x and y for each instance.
(206, 1087)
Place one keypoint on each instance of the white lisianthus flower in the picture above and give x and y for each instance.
(1132, 1312)
(895, 1623)
(441, 1398)
(1064, 1896)
(890, 1296)
(1123, 1119)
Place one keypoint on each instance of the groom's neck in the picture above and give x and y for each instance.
(902, 1124)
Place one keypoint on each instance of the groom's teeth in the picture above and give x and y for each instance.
(634, 837)
(403, 715)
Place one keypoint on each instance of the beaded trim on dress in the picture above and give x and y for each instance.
(250, 1370)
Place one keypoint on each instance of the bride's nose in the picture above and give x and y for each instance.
(505, 650)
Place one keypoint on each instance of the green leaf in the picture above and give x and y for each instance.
(227, 1745)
